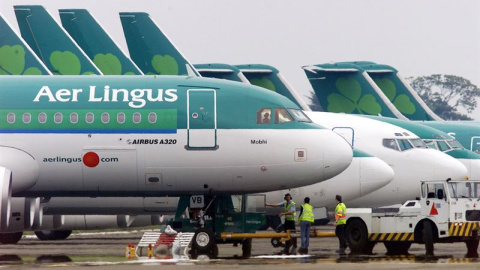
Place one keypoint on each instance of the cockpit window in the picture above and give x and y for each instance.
(431, 144)
(443, 146)
(299, 115)
(282, 116)
(390, 143)
(455, 144)
(263, 116)
(418, 143)
(404, 144)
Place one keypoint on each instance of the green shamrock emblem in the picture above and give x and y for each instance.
(66, 63)
(351, 99)
(108, 64)
(164, 65)
(12, 61)
(264, 82)
(401, 102)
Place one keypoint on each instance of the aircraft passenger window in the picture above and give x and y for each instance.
(42, 118)
(121, 118)
(418, 143)
(137, 117)
(443, 146)
(152, 117)
(89, 118)
(105, 118)
(455, 144)
(431, 144)
(11, 118)
(74, 118)
(390, 143)
(282, 116)
(264, 116)
(404, 144)
(57, 118)
(27, 118)
(299, 115)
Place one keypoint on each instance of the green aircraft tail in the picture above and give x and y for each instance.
(151, 49)
(51, 43)
(399, 92)
(347, 88)
(96, 43)
(16, 57)
(270, 78)
(221, 71)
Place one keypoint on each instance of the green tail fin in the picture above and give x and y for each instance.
(399, 92)
(151, 49)
(221, 71)
(16, 57)
(347, 88)
(51, 43)
(270, 78)
(96, 43)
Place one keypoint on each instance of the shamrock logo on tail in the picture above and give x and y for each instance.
(164, 65)
(264, 82)
(401, 102)
(12, 61)
(66, 63)
(351, 99)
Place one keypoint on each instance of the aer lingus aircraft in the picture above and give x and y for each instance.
(348, 88)
(150, 136)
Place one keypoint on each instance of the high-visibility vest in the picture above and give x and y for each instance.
(307, 213)
(286, 207)
(341, 214)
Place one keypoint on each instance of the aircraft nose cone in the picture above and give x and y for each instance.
(448, 167)
(374, 174)
(338, 154)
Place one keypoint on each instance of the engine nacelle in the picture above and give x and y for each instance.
(23, 166)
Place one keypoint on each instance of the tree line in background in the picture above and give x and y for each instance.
(445, 94)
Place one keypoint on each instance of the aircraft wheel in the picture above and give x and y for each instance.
(397, 248)
(356, 235)
(10, 238)
(47, 235)
(247, 248)
(204, 241)
(428, 237)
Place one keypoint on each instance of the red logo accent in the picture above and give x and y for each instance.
(433, 211)
(91, 159)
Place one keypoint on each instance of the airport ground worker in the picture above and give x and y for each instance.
(340, 221)
(289, 211)
(306, 219)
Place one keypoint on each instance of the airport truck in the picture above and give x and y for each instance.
(209, 216)
(446, 211)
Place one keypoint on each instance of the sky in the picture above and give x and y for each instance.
(417, 37)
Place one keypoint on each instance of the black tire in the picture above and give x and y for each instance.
(428, 237)
(472, 247)
(203, 241)
(10, 238)
(52, 235)
(356, 235)
(247, 248)
(397, 248)
(276, 242)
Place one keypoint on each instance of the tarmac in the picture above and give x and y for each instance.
(107, 251)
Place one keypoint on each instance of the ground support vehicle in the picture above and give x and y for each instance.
(446, 211)
(209, 216)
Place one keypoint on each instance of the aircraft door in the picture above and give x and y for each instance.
(202, 118)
